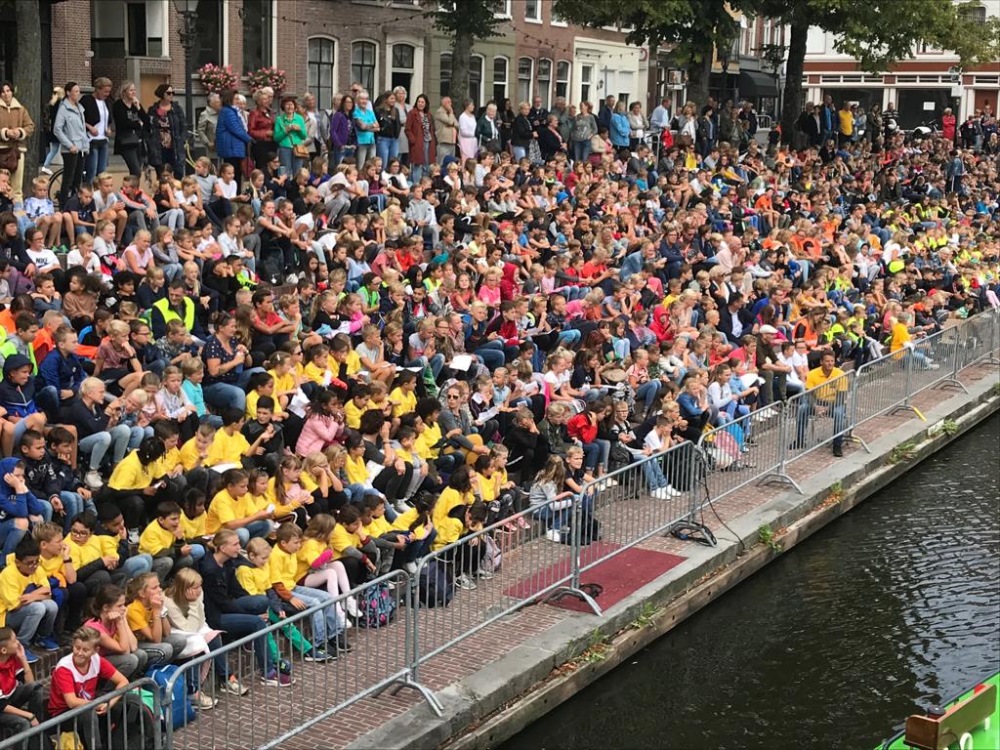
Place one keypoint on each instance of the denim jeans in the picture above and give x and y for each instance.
(492, 354)
(253, 529)
(290, 161)
(326, 624)
(73, 504)
(117, 439)
(581, 150)
(653, 470)
(386, 148)
(225, 396)
(97, 160)
(364, 152)
(34, 620)
(807, 407)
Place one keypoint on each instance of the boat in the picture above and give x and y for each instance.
(969, 722)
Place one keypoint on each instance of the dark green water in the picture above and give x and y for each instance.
(892, 607)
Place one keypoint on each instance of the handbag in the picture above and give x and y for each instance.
(300, 151)
(534, 152)
(492, 145)
(127, 139)
(9, 158)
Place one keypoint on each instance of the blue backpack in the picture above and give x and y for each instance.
(182, 712)
(376, 607)
(436, 587)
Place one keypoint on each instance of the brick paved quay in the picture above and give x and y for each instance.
(267, 713)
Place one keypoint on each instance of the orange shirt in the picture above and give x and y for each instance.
(7, 321)
(43, 344)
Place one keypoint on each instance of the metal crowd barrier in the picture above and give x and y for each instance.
(125, 719)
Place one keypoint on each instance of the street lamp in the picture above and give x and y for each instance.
(188, 11)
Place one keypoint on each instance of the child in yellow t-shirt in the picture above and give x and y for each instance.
(194, 519)
(229, 446)
(25, 589)
(328, 628)
(384, 538)
(57, 565)
(163, 540)
(148, 620)
(357, 405)
(403, 397)
(347, 545)
(195, 451)
(317, 368)
(234, 508)
(317, 568)
(255, 578)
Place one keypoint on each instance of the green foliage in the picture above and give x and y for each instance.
(646, 617)
(597, 648)
(949, 427)
(902, 452)
(473, 17)
(765, 535)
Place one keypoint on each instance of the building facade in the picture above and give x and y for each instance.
(919, 88)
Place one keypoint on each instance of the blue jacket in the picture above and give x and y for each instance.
(62, 373)
(231, 136)
(620, 130)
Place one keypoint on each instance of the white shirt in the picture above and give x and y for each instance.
(43, 258)
(466, 125)
(228, 188)
(102, 120)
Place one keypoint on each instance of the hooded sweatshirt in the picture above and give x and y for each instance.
(17, 400)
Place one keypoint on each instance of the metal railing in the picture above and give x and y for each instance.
(113, 720)
(543, 549)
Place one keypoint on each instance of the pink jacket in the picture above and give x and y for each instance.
(317, 433)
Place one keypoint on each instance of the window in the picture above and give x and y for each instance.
(256, 34)
(556, 19)
(321, 76)
(402, 66)
(210, 30)
(446, 76)
(130, 29)
(525, 66)
(502, 8)
(544, 81)
(586, 81)
(562, 79)
(363, 58)
(973, 14)
(500, 65)
(533, 10)
(476, 80)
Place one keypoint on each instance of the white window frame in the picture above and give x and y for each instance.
(547, 95)
(589, 84)
(335, 80)
(556, 20)
(377, 46)
(418, 64)
(479, 99)
(506, 81)
(505, 9)
(566, 81)
(530, 79)
(537, 18)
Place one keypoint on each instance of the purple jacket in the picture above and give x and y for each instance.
(341, 130)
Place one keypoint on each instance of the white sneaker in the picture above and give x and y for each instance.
(553, 535)
(607, 482)
(659, 493)
(292, 279)
(45, 170)
(411, 568)
(93, 480)
(205, 702)
(669, 491)
(401, 507)
(351, 607)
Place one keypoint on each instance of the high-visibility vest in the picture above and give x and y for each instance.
(163, 305)
(9, 348)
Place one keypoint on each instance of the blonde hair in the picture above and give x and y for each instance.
(185, 579)
(117, 328)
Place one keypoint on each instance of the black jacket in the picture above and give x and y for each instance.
(726, 323)
(221, 588)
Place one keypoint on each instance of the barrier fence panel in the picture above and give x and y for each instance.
(819, 417)
(634, 503)
(933, 359)
(747, 450)
(537, 561)
(982, 339)
(881, 387)
(379, 657)
(125, 719)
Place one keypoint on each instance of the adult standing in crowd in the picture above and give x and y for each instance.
(208, 121)
(403, 111)
(15, 129)
(231, 136)
(365, 129)
(169, 131)
(131, 124)
(290, 136)
(97, 114)
(445, 129)
(70, 129)
(261, 126)
(467, 144)
(390, 126)
(584, 129)
(343, 138)
(317, 126)
(419, 134)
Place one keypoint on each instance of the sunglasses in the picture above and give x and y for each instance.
(169, 93)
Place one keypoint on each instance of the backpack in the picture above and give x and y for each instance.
(182, 709)
(436, 586)
(725, 451)
(376, 607)
(492, 556)
(133, 723)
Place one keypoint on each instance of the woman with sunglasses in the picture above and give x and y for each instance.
(169, 126)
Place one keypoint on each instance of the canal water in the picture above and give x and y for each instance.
(893, 607)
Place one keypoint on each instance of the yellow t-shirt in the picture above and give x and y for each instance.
(307, 554)
(353, 364)
(53, 568)
(280, 509)
(282, 567)
(226, 448)
(251, 409)
(189, 455)
(356, 470)
(489, 487)
(900, 337)
(405, 402)
(169, 462)
(225, 508)
(828, 389)
(341, 539)
(130, 474)
(846, 121)
(378, 527)
(352, 414)
(155, 539)
(448, 531)
(429, 437)
(194, 528)
(139, 616)
(450, 498)
(283, 383)
(402, 523)
(255, 580)
(13, 584)
(98, 545)
(316, 374)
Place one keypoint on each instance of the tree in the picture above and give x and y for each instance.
(464, 22)
(877, 33)
(28, 73)
(693, 28)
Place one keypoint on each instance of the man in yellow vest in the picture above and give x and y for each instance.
(175, 306)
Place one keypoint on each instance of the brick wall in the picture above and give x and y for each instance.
(71, 42)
